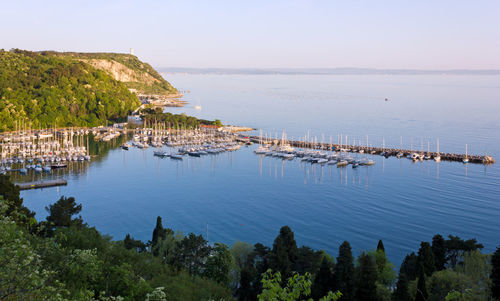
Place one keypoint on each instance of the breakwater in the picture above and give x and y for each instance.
(387, 152)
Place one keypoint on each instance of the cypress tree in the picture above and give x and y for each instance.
(409, 267)
(401, 293)
(426, 259)
(422, 293)
(158, 233)
(380, 246)
(439, 251)
(495, 274)
(323, 282)
(344, 272)
(366, 278)
(284, 253)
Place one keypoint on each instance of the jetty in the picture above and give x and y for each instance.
(385, 151)
(42, 184)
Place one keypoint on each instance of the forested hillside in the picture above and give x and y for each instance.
(46, 90)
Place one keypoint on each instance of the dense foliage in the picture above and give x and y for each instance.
(179, 121)
(44, 90)
(62, 258)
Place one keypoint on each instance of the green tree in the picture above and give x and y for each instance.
(401, 293)
(323, 281)
(191, 254)
(219, 264)
(439, 251)
(445, 281)
(456, 247)
(385, 269)
(22, 276)
(297, 288)
(61, 213)
(15, 208)
(344, 272)
(409, 266)
(495, 274)
(284, 253)
(133, 244)
(422, 293)
(380, 246)
(426, 258)
(366, 278)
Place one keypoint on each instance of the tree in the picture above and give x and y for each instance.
(426, 258)
(61, 213)
(409, 266)
(191, 254)
(495, 274)
(308, 260)
(22, 275)
(366, 279)
(297, 288)
(445, 281)
(159, 234)
(439, 251)
(323, 281)
(15, 208)
(385, 269)
(219, 264)
(284, 253)
(380, 246)
(456, 247)
(422, 293)
(133, 244)
(344, 272)
(401, 293)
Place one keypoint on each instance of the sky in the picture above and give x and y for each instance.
(391, 34)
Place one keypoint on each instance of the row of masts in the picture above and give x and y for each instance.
(360, 146)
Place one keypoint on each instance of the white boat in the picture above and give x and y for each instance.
(332, 162)
(176, 156)
(437, 157)
(322, 161)
(466, 159)
(160, 153)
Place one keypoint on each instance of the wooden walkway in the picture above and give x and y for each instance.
(379, 150)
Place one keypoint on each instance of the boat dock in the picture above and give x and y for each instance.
(42, 184)
(387, 152)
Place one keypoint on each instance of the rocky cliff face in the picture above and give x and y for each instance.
(121, 72)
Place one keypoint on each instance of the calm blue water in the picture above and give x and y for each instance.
(242, 196)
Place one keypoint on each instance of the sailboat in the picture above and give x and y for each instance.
(466, 159)
(437, 157)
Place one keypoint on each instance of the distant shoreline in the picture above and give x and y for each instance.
(321, 71)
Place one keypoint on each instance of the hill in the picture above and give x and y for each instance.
(43, 89)
(125, 68)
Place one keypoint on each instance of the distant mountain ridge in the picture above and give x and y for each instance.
(324, 71)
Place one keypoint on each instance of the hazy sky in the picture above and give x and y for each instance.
(418, 34)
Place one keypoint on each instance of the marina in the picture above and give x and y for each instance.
(283, 147)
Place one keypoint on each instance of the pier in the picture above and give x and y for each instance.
(387, 152)
(42, 184)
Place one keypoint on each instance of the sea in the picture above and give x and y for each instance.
(240, 196)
